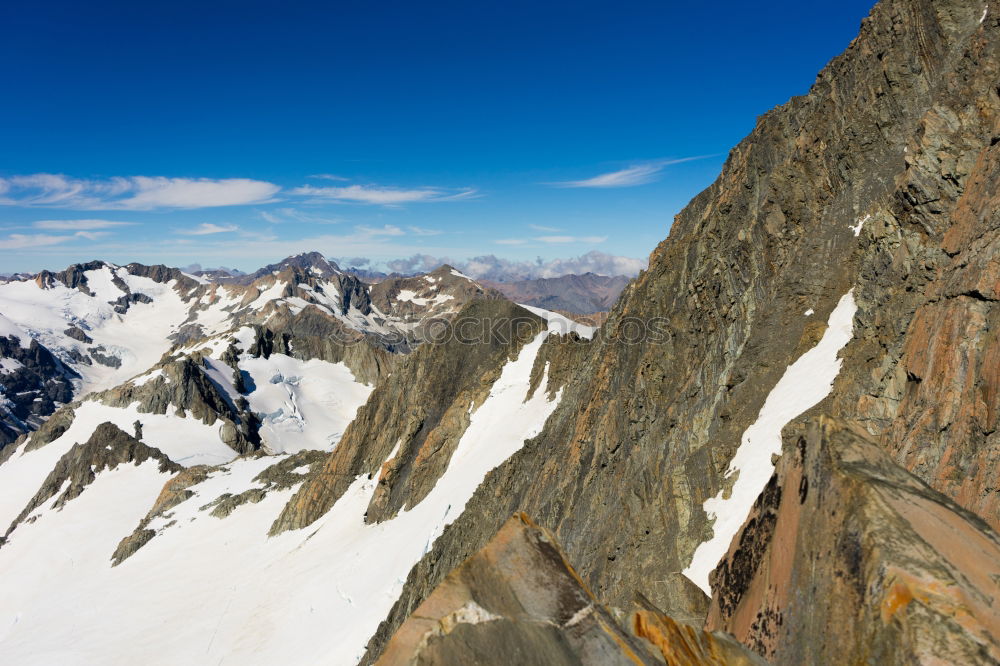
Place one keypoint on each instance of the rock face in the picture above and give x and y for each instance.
(848, 558)
(579, 294)
(182, 386)
(452, 377)
(684, 645)
(33, 384)
(443, 291)
(855, 185)
(284, 474)
(518, 600)
(107, 448)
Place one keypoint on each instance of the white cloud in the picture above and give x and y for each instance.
(132, 193)
(22, 241)
(491, 267)
(207, 228)
(421, 231)
(78, 225)
(92, 235)
(328, 176)
(18, 241)
(290, 215)
(538, 227)
(630, 177)
(387, 230)
(510, 241)
(266, 235)
(380, 195)
(571, 239)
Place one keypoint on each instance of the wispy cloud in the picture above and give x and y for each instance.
(23, 241)
(78, 225)
(293, 215)
(380, 195)
(421, 231)
(132, 193)
(491, 267)
(386, 230)
(539, 227)
(510, 241)
(92, 235)
(328, 176)
(639, 174)
(264, 236)
(208, 228)
(571, 239)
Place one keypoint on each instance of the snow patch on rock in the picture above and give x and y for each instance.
(805, 383)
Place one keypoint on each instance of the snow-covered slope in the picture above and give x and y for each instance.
(302, 404)
(122, 343)
(215, 590)
(245, 386)
(100, 325)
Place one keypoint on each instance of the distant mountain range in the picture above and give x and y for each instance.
(579, 294)
(584, 294)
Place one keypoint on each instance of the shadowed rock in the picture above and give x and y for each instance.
(450, 378)
(107, 448)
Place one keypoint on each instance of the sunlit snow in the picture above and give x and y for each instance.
(302, 404)
(210, 590)
(560, 324)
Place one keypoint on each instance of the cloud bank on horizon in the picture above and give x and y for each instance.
(491, 267)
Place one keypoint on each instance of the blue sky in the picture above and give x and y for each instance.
(236, 133)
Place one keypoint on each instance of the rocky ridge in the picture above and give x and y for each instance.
(519, 597)
(854, 185)
(107, 448)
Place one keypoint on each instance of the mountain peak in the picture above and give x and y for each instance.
(311, 262)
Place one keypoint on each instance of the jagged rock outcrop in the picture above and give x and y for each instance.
(107, 448)
(311, 333)
(53, 428)
(452, 377)
(75, 277)
(854, 185)
(282, 475)
(518, 600)
(684, 645)
(279, 476)
(183, 387)
(175, 491)
(440, 293)
(33, 384)
(848, 558)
